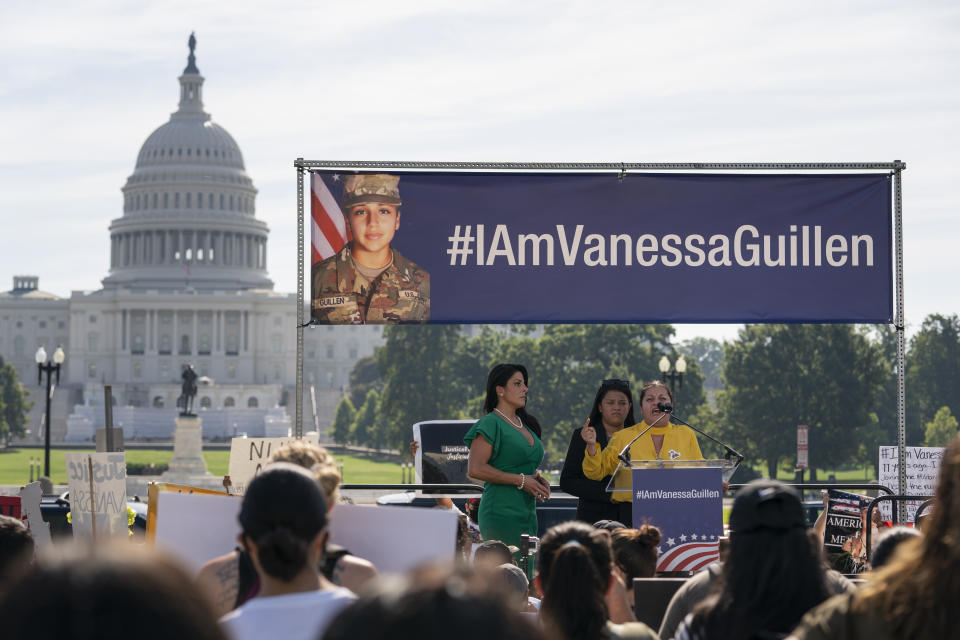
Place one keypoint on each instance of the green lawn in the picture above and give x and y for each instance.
(15, 465)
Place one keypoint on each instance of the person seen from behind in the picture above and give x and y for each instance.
(283, 520)
(581, 595)
(772, 574)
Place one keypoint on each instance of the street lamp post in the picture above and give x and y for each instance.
(43, 366)
(675, 376)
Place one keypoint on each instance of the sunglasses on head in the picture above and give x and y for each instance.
(614, 382)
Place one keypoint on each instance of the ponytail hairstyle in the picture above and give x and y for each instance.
(574, 570)
(635, 551)
(498, 378)
(283, 511)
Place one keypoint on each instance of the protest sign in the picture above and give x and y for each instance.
(30, 505)
(98, 494)
(395, 539)
(844, 539)
(441, 453)
(923, 464)
(249, 455)
(193, 527)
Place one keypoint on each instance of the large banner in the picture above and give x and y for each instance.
(598, 248)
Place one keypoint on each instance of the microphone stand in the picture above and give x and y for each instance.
(728, 451)
(624, 454)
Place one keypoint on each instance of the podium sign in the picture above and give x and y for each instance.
(686, 504)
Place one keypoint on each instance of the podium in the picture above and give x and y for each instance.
(682, 498)
(622, 478)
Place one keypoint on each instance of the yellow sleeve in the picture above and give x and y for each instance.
(604, 463)
(593, 465)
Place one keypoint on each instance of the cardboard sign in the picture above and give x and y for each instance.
(194, 527)
(395, 539)
(441, 454)
(923, 464)
(30, 504)
(248, 456)
(844, 539)
(98, 494)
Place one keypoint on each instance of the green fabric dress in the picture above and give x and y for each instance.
(505, 511)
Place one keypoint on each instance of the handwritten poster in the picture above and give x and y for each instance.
(248, 456)
(106, 505)
(923, 464)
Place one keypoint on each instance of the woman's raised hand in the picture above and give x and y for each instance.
(588, 433)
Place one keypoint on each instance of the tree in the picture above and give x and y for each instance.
(781, 376)
(13, 404)
(344, 417)
(420, 380)
(709, 355)
(933, 372)
(941, 430)
(361, 431)
(364, 376)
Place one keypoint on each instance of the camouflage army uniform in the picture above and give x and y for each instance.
(399, 295)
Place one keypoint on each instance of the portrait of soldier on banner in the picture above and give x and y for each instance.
(364, 280)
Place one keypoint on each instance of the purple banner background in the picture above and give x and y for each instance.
(438, 207)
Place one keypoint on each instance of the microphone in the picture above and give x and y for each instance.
(666, 407)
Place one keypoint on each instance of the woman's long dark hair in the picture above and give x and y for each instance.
(498, 378)
(623, 387)
(574, 568)
(283, 510)
(770, 579)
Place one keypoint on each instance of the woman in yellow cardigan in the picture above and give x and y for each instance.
(665, 441)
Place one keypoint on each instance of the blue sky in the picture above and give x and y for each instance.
(83, 84)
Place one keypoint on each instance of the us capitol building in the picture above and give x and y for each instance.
(187, 284)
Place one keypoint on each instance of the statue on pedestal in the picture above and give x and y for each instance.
(189, 392)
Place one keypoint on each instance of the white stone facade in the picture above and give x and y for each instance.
(187, 284)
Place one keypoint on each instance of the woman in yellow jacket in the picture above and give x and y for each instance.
(665, 441)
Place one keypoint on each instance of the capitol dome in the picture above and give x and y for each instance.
(188, 208)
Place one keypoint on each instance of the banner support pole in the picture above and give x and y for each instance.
(298, 414)
(901, 341)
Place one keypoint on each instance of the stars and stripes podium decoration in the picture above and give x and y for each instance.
(328, 228)
(688, 553)
(686, 504)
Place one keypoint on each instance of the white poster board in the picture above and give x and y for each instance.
(923, 464)
(30, 507)
(107, 506)
(196, 527)
(395, 539)
(249, 455)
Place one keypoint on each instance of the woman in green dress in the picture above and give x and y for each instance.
(505, 450)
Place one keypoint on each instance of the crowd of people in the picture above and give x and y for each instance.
(286, 580)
